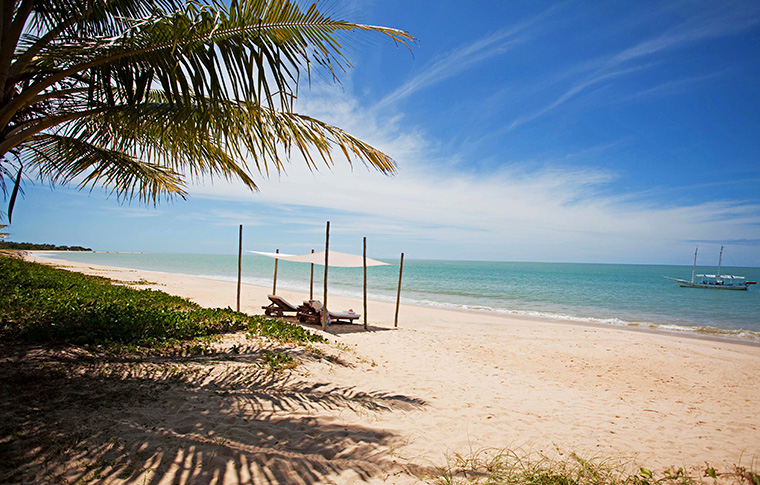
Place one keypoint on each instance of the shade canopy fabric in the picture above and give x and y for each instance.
(273, 255)
(335, 259)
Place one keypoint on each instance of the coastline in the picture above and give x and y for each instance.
(495, 381)
(701, 331)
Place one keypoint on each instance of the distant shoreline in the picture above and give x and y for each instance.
(24, 246)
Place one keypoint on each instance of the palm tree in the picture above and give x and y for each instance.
(140, 96)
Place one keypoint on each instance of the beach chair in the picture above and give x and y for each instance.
(278, 307)
(336, 317)
(311, 312)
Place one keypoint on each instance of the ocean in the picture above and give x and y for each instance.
(614, 294)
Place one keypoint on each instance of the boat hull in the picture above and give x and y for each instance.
(689, 284)
(715, 281)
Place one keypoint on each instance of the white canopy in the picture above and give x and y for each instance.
(336, 259)
(273, 255)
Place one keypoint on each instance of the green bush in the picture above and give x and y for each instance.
(43, 304)
(277, 361)
(281, 330)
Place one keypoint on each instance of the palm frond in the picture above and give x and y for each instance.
(62, 160)
(247, 51)
(180, 136)
(84, 104)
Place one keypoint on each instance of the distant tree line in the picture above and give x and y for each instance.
(39, 247)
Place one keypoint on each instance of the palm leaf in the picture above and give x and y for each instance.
(61, 160)
(175, 133)
(86, 109)
(190, 45)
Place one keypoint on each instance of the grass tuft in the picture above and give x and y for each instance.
(281, 330)
(277, 361)
(501, 467)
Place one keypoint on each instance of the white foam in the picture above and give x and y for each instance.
(714, 331)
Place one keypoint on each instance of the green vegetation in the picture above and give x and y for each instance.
(277, 361)
(280, 330)
(43, 304)
(140, 96)
(24, 246)
(501, 467)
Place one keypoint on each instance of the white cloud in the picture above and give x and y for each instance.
(516, 212)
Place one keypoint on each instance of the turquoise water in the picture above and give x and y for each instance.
(603, 293)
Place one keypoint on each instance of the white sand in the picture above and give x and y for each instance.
(470, 381)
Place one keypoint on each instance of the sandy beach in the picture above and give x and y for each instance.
(391, 404)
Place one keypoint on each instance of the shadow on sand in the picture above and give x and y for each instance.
(343, 328)
(68, 417)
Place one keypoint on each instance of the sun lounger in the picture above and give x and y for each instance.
(336, 317)
(311, 312)
(278, 307)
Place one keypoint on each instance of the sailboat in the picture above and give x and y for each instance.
(714, 281)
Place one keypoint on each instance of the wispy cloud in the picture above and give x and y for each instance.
(465, 57)
(224, 218)
(555, 212)
(573, 92)
(724, 19)
(674, 86)
(132, 212)
(454, 63)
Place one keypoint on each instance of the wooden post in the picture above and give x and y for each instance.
(240, 265)
(364, 255)
(327, 253)
(274, 285)
(398, 295)
(311, 281)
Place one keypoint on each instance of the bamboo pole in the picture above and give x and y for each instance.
(311, 281)
(398, 295)
(240, 265)
(274, 285)
(327, 252)
(365, 282)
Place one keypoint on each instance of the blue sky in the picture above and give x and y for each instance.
(616, 131)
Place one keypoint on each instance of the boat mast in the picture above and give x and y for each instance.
(694, 266)
(720, 259)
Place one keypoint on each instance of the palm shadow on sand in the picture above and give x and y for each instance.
(69, 417)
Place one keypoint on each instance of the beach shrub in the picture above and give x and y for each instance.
(44, 304)
(281, 330)
(277, 361)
